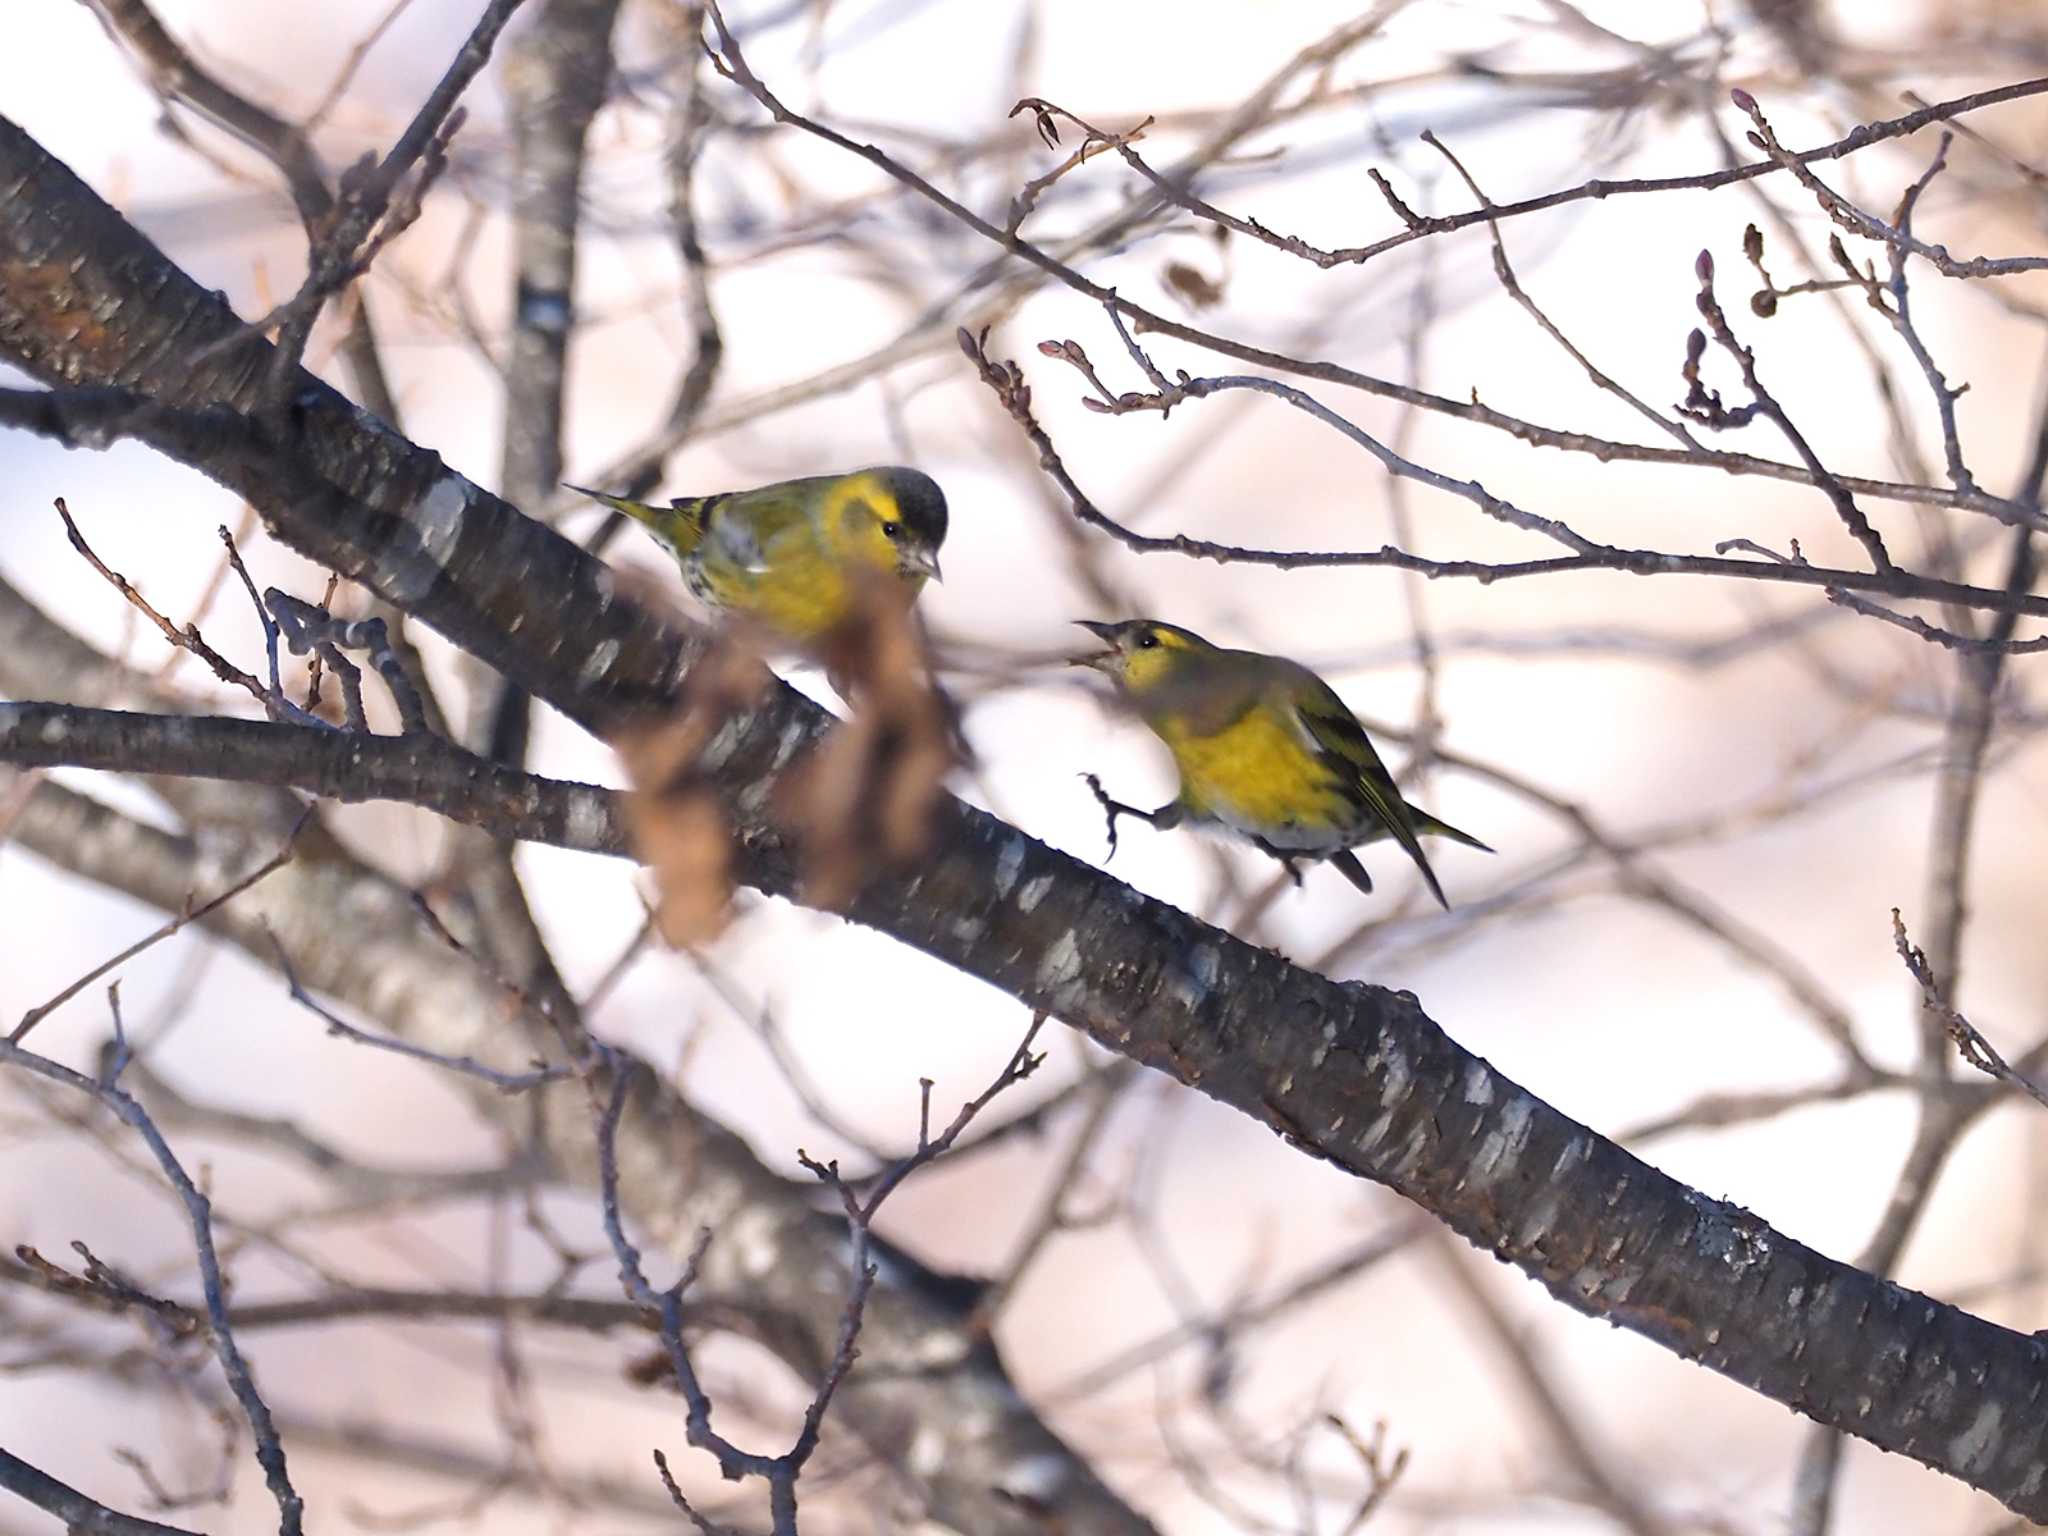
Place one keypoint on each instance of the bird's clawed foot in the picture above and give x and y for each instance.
(1344, 861)
(1167, 816)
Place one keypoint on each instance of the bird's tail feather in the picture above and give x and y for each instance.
(680, 523)
(1430, 826)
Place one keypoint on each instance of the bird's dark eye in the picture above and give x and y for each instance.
(1148, 642)
(892, 530)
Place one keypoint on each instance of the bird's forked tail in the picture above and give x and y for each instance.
(1430, 826)
(680, 524)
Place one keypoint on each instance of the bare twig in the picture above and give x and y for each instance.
(1703, 406)
(193, 914)
(1513, 286)
(1868, 226)
(82, 1516)
(1901, 316)
(1970, 1042)
(371, 209)
(1007, 381)
(1381, 1471)
(469, 1066)
(307, 628)
(186, 639)
(779, 1472)
(106, 1089)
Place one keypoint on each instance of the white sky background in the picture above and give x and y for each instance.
(1607, 1010)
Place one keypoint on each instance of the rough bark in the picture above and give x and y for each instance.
(555, 73)
(931, 1397)
(683, 1169)
(1357, 1074)
(421, 770)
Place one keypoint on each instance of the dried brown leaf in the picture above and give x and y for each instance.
(683, 837)
(864, 799)
(1196, 287)
(679, 829)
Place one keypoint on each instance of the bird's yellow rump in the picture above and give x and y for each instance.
(1265, 748)
(788, 555)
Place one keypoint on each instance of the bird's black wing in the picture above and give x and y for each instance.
(1343, 744)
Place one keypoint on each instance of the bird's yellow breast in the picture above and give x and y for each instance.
(801, 592)
(1256, 773)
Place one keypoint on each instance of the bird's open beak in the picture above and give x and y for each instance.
(1099, 662)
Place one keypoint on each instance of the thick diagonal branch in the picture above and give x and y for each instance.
(680, 1172)
(1357, 1075)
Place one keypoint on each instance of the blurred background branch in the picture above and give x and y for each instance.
(712, 260)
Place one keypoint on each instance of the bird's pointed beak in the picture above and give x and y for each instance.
(927, 561)
(1106, 633)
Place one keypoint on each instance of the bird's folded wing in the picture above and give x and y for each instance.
(737, 544)
(1342, 741)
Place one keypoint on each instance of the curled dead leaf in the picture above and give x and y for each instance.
(864, 799)
(678, 828)
(1196, 287)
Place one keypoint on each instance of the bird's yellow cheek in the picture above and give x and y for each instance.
(1146, 669)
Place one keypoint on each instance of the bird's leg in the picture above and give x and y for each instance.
(1289, 860)
(1165, 818)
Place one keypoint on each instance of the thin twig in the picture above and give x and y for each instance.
(82, 1516)
(1702, 405)
(106, 1089)
(779, 1472)
(1970, 1042)
(1868, 226)
(186, 639)
(468, 1066)
(371, 210)
(277, 861)
(307, 628)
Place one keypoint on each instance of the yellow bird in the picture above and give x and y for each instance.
(1265, 748)
(789, 555)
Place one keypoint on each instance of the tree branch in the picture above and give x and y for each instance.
(1358, 1075)
(81, 1516)
(349, 766)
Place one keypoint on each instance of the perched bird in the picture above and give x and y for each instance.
(1265, 748)
(789, 555)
